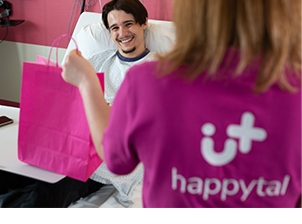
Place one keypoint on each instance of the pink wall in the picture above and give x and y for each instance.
(45, 20)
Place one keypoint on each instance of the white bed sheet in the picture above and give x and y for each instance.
(136, 198)
(106, 198)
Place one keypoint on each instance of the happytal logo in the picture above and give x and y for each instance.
(245, 132)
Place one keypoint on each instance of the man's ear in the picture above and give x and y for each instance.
(146, 24)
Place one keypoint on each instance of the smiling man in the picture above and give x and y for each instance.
(127, 33)
(126, 20)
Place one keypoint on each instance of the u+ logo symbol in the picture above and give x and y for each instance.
(245, 132)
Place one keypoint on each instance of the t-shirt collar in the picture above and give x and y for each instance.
(122, 58)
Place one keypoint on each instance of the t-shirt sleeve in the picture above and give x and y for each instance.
(120, 156)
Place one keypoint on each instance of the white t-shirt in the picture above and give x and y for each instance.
(115, 68)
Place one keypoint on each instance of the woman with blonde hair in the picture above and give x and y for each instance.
(216, 122)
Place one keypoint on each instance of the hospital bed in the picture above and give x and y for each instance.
(91, 36)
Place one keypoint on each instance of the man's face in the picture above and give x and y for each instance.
(126, 33)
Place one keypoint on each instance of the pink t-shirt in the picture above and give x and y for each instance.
(206, 143)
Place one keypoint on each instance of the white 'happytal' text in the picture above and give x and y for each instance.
(228, 186)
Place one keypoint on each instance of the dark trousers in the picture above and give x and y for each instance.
(18, 191)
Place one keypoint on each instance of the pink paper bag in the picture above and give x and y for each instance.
(45, 61)
(53, 130)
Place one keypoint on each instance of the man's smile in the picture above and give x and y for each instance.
(126, 40)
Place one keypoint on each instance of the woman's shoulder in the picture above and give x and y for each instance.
(143, 72)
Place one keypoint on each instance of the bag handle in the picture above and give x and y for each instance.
(57, 42)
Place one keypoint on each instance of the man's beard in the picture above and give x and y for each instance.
(129, 51)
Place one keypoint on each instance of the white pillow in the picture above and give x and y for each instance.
(92, 38)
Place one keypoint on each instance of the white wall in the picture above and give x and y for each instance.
(12, 56)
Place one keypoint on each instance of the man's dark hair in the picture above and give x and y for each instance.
(134, 7)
